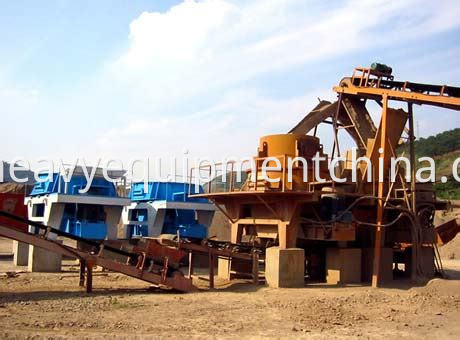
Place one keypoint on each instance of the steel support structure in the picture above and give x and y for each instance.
(380, 230)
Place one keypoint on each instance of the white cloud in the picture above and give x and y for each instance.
(210, 49)
(217, 132)
(179, 35)
(199, 46)
(197, 76)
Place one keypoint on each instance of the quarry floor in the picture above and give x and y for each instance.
(52, 306)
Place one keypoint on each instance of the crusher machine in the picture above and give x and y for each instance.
(165, 209)
(165, 231)
(367, 230)
(61, 204)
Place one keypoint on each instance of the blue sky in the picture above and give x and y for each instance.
(125, 79)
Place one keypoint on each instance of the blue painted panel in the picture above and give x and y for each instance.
(85, 229)
(99, 186)
(194, 230)
(183, 221)
(165, 191)
(84, 220)
(45, 187)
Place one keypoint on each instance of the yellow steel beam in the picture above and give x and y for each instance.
(380, 232)
(419, 98)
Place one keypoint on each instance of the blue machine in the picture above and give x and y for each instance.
(165, 191)
(91, 215)
(167, 208)
(99, 186)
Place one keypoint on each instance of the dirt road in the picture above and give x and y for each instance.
(52, 306)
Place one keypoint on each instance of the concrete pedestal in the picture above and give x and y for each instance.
(223, 268)
(21, 253)
(41, 260)
(284, 267)
(113, 214)
(343, 265)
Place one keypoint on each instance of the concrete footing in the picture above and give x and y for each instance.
(284, 267)
(21, 253)
(41, 260)
(223, 268)
(343, 265)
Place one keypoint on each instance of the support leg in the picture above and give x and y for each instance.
(211, 271)
(237, 233)
(380, 232)
(282, 235)
(255, 268)
(287, 235)
(89, 278)
(412, 185)
(190, 264)
(82, 273)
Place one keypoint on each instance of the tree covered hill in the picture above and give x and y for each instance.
(438, 145)
(444, 148)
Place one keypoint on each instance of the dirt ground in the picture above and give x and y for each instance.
(39, 305)
(52, 306)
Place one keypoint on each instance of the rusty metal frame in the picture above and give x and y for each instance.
(223, 211)
(440, 99)
(275, 214)
(176, 281)
(166, 252)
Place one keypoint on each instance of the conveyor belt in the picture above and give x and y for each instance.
(141, 263)
(152, 260)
